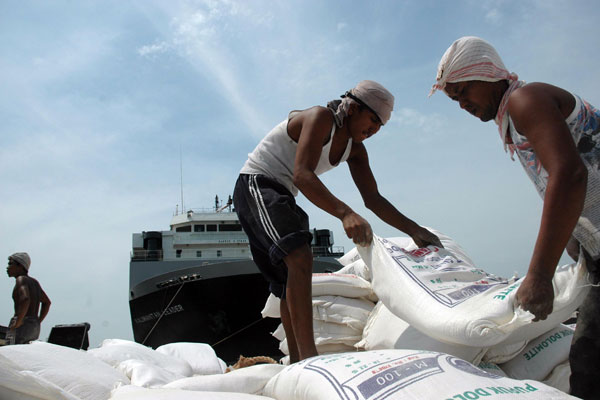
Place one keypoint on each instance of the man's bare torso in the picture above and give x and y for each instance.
(34, 290)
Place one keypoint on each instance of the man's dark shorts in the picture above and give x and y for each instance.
(274, 223)
(28, 332)
(585, 346)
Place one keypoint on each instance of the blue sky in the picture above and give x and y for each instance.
(98, 98)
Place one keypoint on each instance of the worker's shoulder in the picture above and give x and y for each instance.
(539, 97)
(315, 113)
(26, 280)
(535, 91)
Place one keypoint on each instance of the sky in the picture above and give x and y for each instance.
(107, 107)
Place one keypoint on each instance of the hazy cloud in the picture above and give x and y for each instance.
(493, 16)
(152, 49)
(418, 121)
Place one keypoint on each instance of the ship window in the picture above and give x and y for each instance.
(198, 228)
(219, 253)
(178, 253)
(211, 228)
(230, 227)
(187, 228)
(198, 253)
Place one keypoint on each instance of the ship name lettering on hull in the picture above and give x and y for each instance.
(156, 314)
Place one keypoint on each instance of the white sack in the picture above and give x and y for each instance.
(501, 352)
(323, 347)
(397, 374)
(349, 257)
(329, 333)
(342, 310)
(42, 370)
(250, 380)
(141, 373)
(271, 308)
(358, 268)
(471, 307)
(541, 355)
(559, 377)
(326, 284)
(24, 385)
(279, 333)
(332, 284)
(355, 265)
(491, 368)
(450, 245)
(115, 351)
(200, 356)
(386, 331)
(330, 348)
(335, 333)
(284, 360)
(138, 393)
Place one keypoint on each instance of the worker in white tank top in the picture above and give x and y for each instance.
(288, 160)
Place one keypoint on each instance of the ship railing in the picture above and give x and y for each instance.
(146, 255)
(328, 251)
(217, 237)
(200, 210)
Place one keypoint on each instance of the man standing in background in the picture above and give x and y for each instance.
(27, 295)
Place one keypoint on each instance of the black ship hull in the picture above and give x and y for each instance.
(195, 305)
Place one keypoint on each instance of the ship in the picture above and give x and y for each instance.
(197, 282)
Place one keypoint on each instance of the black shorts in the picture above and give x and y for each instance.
(274, 223)
(27, 332)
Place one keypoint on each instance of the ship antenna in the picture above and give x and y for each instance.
(181, 177)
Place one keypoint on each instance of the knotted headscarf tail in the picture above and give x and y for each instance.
(372, 94)
(473, 59)
(502, 116)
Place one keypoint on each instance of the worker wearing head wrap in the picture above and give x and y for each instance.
(31, 302)
(369, 94)
(470, 58)
(22, 259)
(290, 159)
(555, 136)
(473, 59)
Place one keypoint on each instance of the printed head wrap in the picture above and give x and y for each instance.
(369, 94)
(473, 59)
(470, 59)
(22, 259)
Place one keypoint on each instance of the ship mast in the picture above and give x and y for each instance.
(181, 177)
(219, 207)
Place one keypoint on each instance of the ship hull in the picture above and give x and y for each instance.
(223, 311)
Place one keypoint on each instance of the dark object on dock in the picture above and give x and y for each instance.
(3, 331)
(74, 335)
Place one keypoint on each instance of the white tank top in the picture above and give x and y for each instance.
(275, 156)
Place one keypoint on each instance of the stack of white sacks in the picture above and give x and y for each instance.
(341, 304)
(395, 322)
(460, 310)
(125, 370)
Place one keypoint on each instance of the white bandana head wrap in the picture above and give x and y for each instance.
(473, 59)
(470, 59)
(368, 93)
(22, 259)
